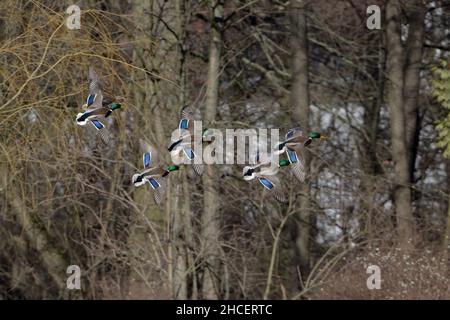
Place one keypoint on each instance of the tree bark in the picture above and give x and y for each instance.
(182, 235)
(446, 238)
(368, 143)
(416, 15)
(402, 191)
(210, 221)
(300, 109)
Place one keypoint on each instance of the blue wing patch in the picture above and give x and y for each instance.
(90, 99)
(189, 153)
(154, 183)
(292, 156)
(184, 124)
(266, 183)
(146, 158)
(97, 124)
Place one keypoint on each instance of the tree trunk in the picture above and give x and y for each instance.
(402, 191)
(416, 15)
(210, 221)
(182, 215)
(446, 237)
(368, 143)
(446, 242)
(300, 109)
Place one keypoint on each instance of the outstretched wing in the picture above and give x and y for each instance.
(189, 154)
(157, 185)
(198, 168)
(101, 130)
(149, 154)
(94, 81)
(187, 113)
(297, 164)
(95, 97)
(191, 113)
(293, 132)
(273, 186)
(264, 158)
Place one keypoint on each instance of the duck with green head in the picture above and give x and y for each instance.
(97, 107)
(181, 144)
(265, 171)
(153, 173)
(293, 144)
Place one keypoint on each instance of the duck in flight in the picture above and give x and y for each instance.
(265, 170)
(181, 145)
(97, 107)
(154, 174)
(293, 145)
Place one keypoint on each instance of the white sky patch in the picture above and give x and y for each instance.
(32, 115)
(388, 206)
(404, 32)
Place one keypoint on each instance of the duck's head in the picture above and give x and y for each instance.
(138, 179)
(170, 169)
(81, 119)
(115, 106)
(283, 163)
(248, 173)
(205, 132)
(314, 135)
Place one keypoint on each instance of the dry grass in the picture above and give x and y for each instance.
(420, 274)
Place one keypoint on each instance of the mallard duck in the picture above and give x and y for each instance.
(153, 173)
(182, 144)
(265, 171)
(96, 107)
(293, 145)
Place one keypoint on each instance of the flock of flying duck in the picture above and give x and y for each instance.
(99, 107)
